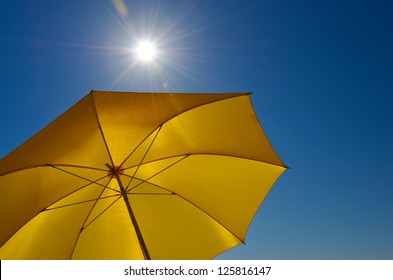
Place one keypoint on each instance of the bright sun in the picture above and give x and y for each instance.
(145, 51)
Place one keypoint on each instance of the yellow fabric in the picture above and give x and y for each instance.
(195, 169)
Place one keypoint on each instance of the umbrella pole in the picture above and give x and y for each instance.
(132, 215)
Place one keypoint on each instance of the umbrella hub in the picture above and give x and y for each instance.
(114, 170)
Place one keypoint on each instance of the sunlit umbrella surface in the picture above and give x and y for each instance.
(125, 175)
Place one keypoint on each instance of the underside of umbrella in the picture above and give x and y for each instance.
(125, 175)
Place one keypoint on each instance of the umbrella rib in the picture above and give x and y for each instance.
(185, 199)
(93, 182)
(141, 142)
(205, 154)
(239, 157)
(100, 128)
(48, 165)
(145, 180)
(80, 202)
(91, 209)
(81, 177)
(102, 212)
(242, 241)
(152, 193)
(141, 162)
(77, 166)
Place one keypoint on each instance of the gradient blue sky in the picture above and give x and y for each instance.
(322, 77)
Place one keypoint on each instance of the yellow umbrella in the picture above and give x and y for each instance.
(125, 175)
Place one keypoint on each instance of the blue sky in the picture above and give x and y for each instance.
(321, 73)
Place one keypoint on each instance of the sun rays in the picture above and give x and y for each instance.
(144, 48)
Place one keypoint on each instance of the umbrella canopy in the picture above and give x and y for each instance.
(124, 175)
